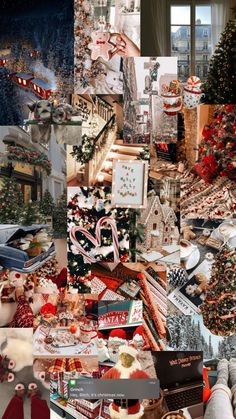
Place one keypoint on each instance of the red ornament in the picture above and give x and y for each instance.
(48, 309)
(229, 108)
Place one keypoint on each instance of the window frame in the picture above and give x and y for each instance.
(192, 4)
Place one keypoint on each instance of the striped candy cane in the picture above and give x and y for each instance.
(96, 240)
(112, 223)
(87, 258)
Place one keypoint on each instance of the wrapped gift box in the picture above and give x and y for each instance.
(15, 258)
(129, 289)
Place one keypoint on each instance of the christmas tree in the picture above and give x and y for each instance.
(47, 204)
(220, 85)
(218, 309)
(59, 217)
(218, 146)
(11, 201)
(85, 209)
(30, 214)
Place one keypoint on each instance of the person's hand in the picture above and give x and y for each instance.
(126, 47)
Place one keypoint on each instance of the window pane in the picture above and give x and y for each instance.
(180, 15)
(180, 40)
(203, 15)
(181, 48)
(203, 50)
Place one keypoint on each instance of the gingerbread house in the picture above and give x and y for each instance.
(159, 224)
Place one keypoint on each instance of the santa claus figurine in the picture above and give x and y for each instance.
(138, 340)
(103, 353)
(128, 365)
(117, 338)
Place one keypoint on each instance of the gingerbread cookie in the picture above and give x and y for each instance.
(101, 46)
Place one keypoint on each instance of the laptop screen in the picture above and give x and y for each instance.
(178, 368)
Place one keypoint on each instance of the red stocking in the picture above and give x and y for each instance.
(14, 409)
(39, 408)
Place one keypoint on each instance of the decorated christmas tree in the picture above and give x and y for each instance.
(220, 85)
(218, 309)
(85, 209)
(30, 214)
(11, 201)
(47, 204)
(59, 217)
(217, 151)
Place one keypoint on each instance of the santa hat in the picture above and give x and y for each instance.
(138, 333)
(128, 349)
(117, 335)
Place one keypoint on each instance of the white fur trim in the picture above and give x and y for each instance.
(222, 387)
(20, 351)
(126, 372)
(123, 413)
(138, 337)
(128, 350)
(116, 339)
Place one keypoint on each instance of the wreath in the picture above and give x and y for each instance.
(84, 152)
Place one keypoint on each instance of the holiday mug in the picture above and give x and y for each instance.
(191, 97)
(172, 103)
(186, 249)
(87, 334)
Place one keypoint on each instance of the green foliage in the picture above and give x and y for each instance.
(47, 204)
(59, 217)
(220, 85)
(11, 201)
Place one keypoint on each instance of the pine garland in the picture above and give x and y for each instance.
(84, 152)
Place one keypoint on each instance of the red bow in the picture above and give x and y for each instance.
(101, 42)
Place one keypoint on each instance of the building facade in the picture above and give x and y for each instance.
(32, 179)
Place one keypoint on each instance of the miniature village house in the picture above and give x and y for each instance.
(159, 224)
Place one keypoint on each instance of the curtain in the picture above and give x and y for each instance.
(220, 14)
(154, 28)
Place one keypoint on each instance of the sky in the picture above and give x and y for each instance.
(180, 15)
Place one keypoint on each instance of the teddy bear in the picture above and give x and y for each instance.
(187, 232)
(101, 45)
(202, 283)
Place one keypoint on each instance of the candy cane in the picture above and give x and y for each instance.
(96, 240)
(87, 258)
(112, 223)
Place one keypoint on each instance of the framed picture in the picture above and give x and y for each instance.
(129, 183)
